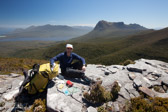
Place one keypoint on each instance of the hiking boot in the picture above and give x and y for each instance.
(88, 80)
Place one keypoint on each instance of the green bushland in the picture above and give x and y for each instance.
(15, 65)
(105, 50)
(156, 104)
(108, 51)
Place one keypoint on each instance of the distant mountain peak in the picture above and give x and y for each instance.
(103, 25)
(46, 31)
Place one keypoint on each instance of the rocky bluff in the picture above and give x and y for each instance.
(145, 76)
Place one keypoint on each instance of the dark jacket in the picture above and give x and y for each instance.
(66, 61)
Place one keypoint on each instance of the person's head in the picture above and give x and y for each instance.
(69, 48)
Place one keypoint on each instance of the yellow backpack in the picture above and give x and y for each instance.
(39, 82)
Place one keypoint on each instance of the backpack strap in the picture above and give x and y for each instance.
(45, 74)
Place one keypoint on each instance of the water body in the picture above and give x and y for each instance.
(34, 39)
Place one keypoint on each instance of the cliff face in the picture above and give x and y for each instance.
(104, 25)
(143, 76)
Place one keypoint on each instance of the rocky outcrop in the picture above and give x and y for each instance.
(104, 25)
(9, 85)
(143, 76)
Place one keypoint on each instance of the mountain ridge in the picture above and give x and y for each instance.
(104, 29)
(152, 45)
(103, 25)
(48, 30)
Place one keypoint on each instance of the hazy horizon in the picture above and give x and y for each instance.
(24, 13)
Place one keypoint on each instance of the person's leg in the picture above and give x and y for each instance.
(64, 73)
(74, 73)
(77, 65)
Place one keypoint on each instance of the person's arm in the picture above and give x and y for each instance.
(56, 58)
(82, 59)
(79, 58)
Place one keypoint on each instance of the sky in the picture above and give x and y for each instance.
(24, 13)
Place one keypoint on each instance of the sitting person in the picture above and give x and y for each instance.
(69, 68)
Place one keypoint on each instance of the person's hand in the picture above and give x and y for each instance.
(52, 67)
(83, 68)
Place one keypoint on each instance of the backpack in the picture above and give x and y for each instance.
(39, 78)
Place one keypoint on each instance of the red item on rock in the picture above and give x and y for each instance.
(69, 83)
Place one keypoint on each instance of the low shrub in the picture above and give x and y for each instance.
(127, 62)
(101, 109)
(38, 106)
(156, 104)
(98, 94)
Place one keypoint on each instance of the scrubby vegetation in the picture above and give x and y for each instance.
(101, 109)
(127, 62)
(105, 108)
(38, 106)
(2, 104)
(8, 65)
(99, 94)
(148, 105)
(104, 50)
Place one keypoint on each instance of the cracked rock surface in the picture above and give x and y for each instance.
(141, 76)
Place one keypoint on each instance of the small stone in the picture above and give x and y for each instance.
(131, 69)
(132, 75)
(120, 67)
(116, 107)
(2, 108)
(162, 95)
(91, 109)
(147, 91)
(9, 96)
(100, 66)
(155, 73)
(142, 81)
(131, 90)
(109, 103)
(2, 90)
(106, 73)
(164, 80)
(165, 88)
(152, 78)
(166, 71)
(124, 93)
(132, 96)
(13, 75)
(137, 82)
